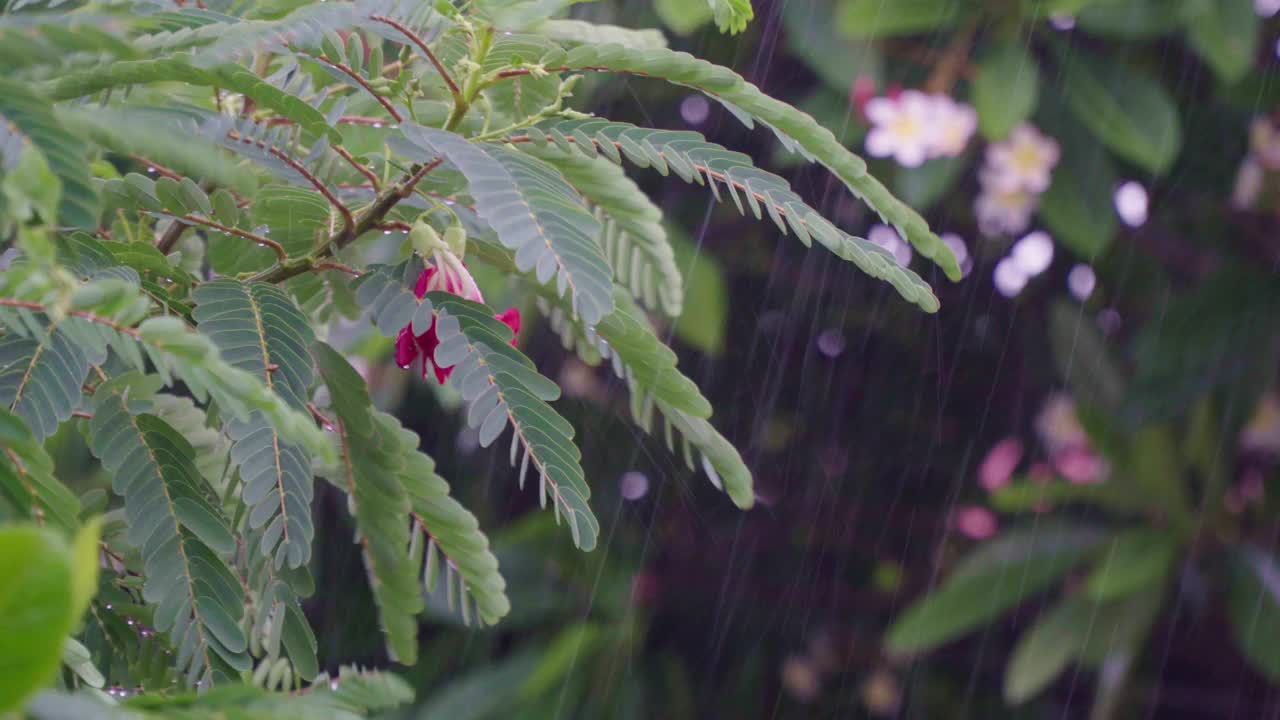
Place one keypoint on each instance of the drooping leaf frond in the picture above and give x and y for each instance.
(258, 329)
(28, 488)
(796, 130)
(693, 159)
(534, 212)
(443, 531)
(631, 234)
(648, 367)
(41, 368)
(369, 472)
(182, 536)
(500, 385)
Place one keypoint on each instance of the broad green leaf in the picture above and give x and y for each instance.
(877, 18)
(1130, 18)
(1078, 206)
(1124, 108)
(1132, 561)
(1225, 34)
(1253, 606)
(1006, 89)
(1000, 574)
(836, 57)
(36, 610)
(923, 186)
(1045, 650)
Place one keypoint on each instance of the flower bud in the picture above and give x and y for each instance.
(424, 239)
(455, 238)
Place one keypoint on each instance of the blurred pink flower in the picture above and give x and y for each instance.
(1080, 465)
(998, 466)
(1025, 161)
(974, 522)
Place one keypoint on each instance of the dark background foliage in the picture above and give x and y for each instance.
(864, 422)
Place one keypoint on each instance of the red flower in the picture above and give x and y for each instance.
(455, 279)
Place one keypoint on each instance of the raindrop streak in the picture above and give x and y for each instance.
(1131, 203)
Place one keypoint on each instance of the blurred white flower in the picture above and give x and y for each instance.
(1009, 278)
(953, 125)
(1023, 162)
(902, 127)
(1034, 253)
(1132, 203)
(889, 239)
(1262, 434)
(1081, 281)
(1264, 142)
(1249, 182)
(1062, 21)
(1003, 212)
(800, 678)
(1057, 424)
(1266, 8)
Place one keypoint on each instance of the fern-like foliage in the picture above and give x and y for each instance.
(195, 200)
(27, 485)
(693, 159)
(534, 212)
(500, 385)
(182, 535)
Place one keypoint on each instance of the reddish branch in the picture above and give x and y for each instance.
(85, 314)
(373, 179)
(304, 172)
(346, 70)
(279, 250)
(422, 45)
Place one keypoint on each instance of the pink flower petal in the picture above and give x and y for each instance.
(998, 466)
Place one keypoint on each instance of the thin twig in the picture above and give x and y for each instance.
(281, 253)
(304, 172)
(157, 167)
(345, 69)
(440, 68)
(373, 179)
(369, 220)
(170, 237)
(85, 314)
